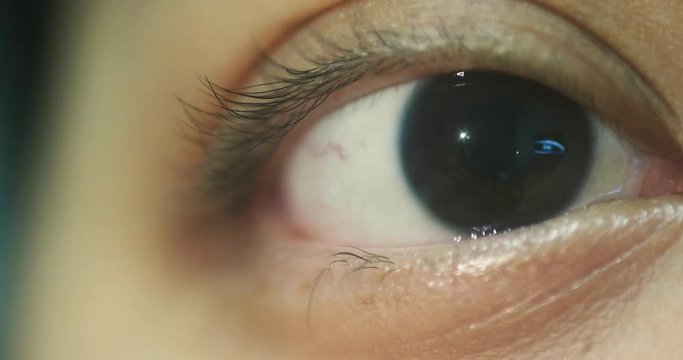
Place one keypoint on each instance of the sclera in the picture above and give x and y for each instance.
(344, 183)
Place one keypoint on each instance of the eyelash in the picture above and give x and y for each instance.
(262, 114)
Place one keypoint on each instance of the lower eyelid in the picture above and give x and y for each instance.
(477, 294)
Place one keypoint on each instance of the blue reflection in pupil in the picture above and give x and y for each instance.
(541, 147)
(549, 147)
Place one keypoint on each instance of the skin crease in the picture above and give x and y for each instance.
(108, 275)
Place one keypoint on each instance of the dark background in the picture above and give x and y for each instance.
(25, 40)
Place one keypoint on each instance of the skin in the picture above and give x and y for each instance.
(115, 268)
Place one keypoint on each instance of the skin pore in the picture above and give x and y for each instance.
(123, 261)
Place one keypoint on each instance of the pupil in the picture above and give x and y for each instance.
(488, 151)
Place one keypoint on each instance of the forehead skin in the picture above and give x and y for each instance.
(102, 240)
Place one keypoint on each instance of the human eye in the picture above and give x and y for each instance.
(446, 178)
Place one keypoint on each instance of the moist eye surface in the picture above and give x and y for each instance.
(487, 151)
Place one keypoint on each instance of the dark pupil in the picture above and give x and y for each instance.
(485, 150)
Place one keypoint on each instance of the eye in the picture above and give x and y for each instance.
(457, 155)
(394, 127)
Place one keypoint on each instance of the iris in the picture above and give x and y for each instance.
(487, 150)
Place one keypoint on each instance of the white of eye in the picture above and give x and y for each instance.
(344, 183)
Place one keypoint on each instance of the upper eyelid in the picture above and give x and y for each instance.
(295, 91)
(583, 15)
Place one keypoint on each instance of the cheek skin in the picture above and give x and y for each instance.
(550, 289)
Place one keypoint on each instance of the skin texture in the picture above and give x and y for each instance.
(119, 264)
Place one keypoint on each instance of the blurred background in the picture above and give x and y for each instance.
(26, 38)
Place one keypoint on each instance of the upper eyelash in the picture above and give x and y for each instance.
(253, 119)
